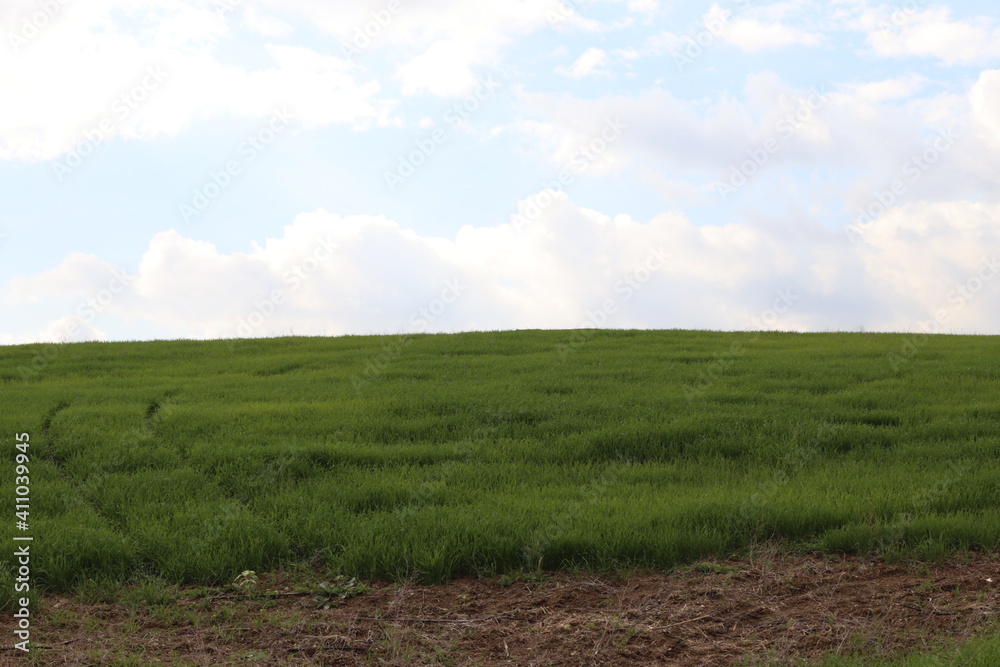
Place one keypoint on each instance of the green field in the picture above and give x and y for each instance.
(480, 453)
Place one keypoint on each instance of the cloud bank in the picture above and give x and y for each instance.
(555, 265)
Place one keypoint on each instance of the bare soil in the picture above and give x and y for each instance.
(778, 609)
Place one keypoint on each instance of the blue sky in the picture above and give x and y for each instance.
(218, 168)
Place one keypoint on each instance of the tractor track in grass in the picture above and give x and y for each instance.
(773, 609)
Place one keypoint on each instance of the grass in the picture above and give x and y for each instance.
(978, 652)
(435, 456)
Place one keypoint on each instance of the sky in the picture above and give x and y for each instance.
(206, 169)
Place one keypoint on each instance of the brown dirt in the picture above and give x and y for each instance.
(776, 609)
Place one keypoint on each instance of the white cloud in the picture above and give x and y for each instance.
(860, 137)
(70, 329)
(985, 100)
(104, 78)
(245, 64)
(667, 42)
(926, 253)
(890, 89)
(647, 9)
(328, 274)
(747, 33)
(932, 33)
(751, 35)
(78, 274)
(445, 69)
(65, 329)
(588, 64)
(265, 24)
(440, 44)
(677, 132)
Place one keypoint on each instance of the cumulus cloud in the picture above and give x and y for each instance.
(890, 89)
(866, 135)
(69, 329)
(940, 262)
(96, 60)
(144, 69)
(78, 274)
(751, 35)
(265, 24)
(932, 33)
(442, 44)
(104, 78)
(647, 9)
(66, 329)
(554, 266)
(643, 6)
(444, 69)
(749, 31)
(985, 100)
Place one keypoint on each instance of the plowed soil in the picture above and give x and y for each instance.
(777, 609)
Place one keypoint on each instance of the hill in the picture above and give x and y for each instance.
(436, 456)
